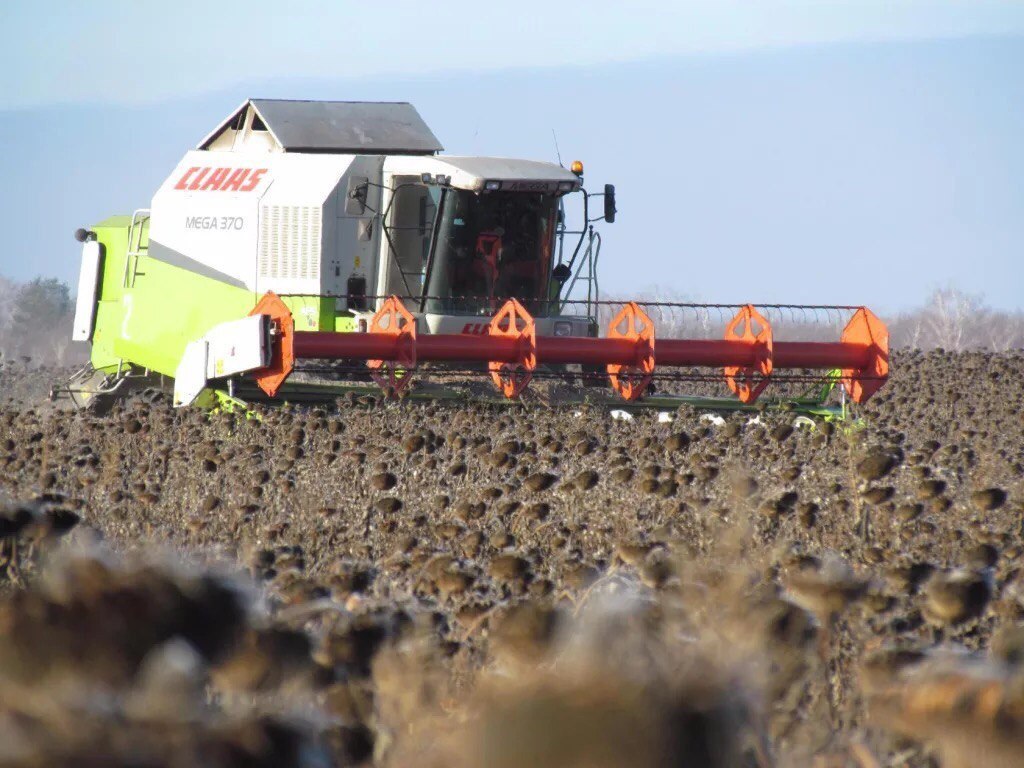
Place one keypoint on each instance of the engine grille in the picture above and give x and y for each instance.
(289, 242)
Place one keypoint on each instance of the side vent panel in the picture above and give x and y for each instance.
(289, 242)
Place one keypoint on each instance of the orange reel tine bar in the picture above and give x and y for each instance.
(750, 327)
(393, 319)
(282, 361)
(513, 321)
(632, 379)
(865, 329)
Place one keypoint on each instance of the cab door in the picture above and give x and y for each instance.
(408, 224)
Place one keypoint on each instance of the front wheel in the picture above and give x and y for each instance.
(86, 390)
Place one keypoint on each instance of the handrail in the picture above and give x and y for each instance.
(139, 217)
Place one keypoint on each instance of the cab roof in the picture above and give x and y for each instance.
(473, 172)
(340, 127)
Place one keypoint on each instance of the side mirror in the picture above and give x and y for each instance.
(358, 187)
(609, 203)
(561, 273)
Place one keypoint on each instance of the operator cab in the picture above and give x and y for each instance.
(491, 247)
(463, 235)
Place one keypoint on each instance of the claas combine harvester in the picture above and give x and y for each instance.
(305, 249)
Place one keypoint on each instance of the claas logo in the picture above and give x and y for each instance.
(221, 179)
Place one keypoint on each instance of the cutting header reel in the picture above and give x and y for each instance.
(633, 362)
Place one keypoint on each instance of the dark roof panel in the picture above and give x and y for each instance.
(356, 127)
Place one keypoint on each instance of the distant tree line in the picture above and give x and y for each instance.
(955, 320)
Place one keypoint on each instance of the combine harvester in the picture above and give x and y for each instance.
(306, 249)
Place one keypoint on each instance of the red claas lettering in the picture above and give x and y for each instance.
(216, 179)
(234, 182)
(198, 179)
(183, 182)
(221, 179)
(254, 179)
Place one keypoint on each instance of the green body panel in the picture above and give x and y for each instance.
(112, 233)
(148, 311)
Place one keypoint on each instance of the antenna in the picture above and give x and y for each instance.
(557, 153)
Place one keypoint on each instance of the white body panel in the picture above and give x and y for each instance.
(238, 346)
(212, 231)
(267, 221)
(311, 234)
(297, 228)
(88, 284)
(190, 375)
(227, 349)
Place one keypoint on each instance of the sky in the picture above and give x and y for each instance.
(764, 150)
(139, 51)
